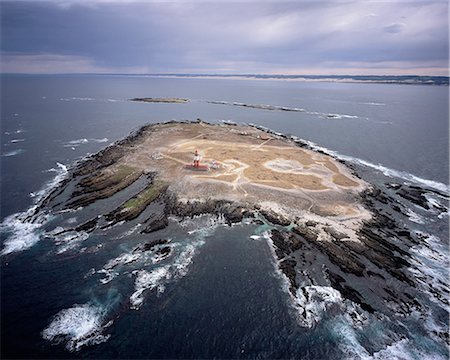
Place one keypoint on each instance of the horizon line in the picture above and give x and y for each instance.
(222, 74)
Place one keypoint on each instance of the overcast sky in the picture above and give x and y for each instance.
(271, 37)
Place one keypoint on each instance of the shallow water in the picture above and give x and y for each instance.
(218, 294)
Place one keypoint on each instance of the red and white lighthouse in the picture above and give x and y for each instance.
(196, 159)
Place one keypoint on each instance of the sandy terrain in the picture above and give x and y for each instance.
(252, 166)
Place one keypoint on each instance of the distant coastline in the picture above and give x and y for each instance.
(381, 79)
(372, 79)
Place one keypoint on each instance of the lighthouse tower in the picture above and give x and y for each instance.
(196, 159)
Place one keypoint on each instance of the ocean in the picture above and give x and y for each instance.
(222, 297)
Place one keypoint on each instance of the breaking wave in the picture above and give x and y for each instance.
(67, 240)
(13, 153)
(77, 99)
(78, 326)
(285, 108)
(257, 106)
(314, 301)
(23, 233)
(430, 265)
(392, 173)
(23, 228)
(374, 103)
(78, 142)
(159, 276)
(147, 281)
(414, 217)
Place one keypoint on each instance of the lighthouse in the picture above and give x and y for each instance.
(196, 165)
(196, 159)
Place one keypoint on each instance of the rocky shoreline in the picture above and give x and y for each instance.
(381, 251)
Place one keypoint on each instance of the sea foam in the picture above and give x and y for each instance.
(13, 153)
(148, 280)
(314, 301)
(78, 326)
(392, 173)
(23, 228)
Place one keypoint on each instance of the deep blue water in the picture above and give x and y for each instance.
(231, 303)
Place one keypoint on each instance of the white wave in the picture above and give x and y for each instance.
(374, 103)
(429, 266)
(258, 106)
(341, 116)
(123, 259)
(74, 143)
(130, 231)
(103, 140)
(147, 281)
(112, 100)
(158, 277)
(403, 350)
(13, 153)
(349, 344)
(61, 174)
(77, 99)
(23, 233)
(434, 203)
(255, 237)
(109, 275)
(13, 141)
(183, 261)
(383, 169)
(313, 301)
(24, 227)
(203, 225)
(70, 240)
(414, 217)
(347, 340)
(77, 142)
(78, 326)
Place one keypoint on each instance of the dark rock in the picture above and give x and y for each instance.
(150, 245)
(88, 226)
(306, 233)
(335, 234)
(414, 195)
(287, 266)
(163, 252)
(404, 233)
(393, 186)
(338, 283)
(281, 247)
(275, 219)
(285, 243)
(371, 273)
(156, 224)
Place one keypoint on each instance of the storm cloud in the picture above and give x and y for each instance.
(301, 37)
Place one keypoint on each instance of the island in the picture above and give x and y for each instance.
(319, 214)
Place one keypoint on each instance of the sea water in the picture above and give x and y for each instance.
(221, 295)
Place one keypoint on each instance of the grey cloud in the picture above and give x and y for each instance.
(215, 36)
(394, 28)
